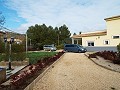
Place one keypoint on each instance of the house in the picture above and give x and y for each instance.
(18, 38)
(102, 40)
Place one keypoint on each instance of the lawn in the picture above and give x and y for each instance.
(35, 56)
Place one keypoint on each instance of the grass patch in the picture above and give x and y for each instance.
(35, 56)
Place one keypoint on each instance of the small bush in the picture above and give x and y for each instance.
(60, 46)
(16, 48)
(17, 52)
(108, 55)
(92, 55)
(2, 47)
(118, 47)
(116, 61)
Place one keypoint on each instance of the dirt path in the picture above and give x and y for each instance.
(76, 72)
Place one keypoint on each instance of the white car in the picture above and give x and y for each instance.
(49, 48)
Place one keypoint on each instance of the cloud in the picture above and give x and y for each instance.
(78, 15)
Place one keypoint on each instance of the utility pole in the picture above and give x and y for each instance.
(58, 39)
(26, 44)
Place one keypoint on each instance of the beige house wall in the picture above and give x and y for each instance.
(101, 38)
(113, 29)
(98, 40)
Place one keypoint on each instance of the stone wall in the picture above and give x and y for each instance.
(2, 75)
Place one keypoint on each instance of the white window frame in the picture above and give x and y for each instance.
(89, 42)
(105, 42)
(116, 38)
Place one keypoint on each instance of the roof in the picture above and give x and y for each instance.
(112, 18)
(97, 33)
(2, 32)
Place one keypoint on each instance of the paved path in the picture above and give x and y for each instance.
(76, 72)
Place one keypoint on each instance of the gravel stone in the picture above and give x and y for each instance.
(75, 71)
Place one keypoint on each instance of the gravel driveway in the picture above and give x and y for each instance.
(75, 71)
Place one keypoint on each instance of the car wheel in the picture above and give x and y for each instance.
(79, 51)
(66, 50)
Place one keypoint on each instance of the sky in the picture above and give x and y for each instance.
(77, 15)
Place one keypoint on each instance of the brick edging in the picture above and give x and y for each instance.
(32, 84)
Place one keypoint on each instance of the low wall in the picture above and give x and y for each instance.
(94, 48)
(2, 75)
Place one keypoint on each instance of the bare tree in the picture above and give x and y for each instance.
(2, 20)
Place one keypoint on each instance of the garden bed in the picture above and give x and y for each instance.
(22, 79)
(105, 60)
(107, 55)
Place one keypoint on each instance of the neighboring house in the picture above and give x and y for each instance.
(1, 35)
(102, 40)
(18, 38)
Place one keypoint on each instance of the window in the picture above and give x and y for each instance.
(69, 46)
(91, 43)
(116, 37)
(106, 42)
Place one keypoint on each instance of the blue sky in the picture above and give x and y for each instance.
(78, 15)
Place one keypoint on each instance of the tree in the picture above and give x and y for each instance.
(2, 20)
(64, 33)
(41, 35)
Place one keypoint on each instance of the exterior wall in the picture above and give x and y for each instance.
(98, 40)
(113, 28)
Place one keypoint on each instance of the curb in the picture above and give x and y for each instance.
(102, 65)
(32, 84)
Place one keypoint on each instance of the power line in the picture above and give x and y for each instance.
(7, 30)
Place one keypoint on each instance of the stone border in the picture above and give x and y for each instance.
(31, 85)
(104, 66)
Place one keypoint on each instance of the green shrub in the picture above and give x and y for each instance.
(61, 46)
(17, 52)
(118, 47)
(2, 47)
(16, 48)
